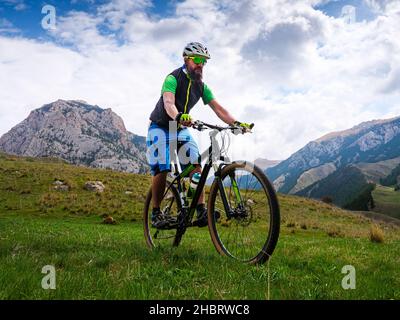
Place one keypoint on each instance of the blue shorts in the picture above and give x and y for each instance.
(161, 147)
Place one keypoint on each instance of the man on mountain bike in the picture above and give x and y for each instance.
(180, 91)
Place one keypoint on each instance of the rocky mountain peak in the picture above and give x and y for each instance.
(79, 133)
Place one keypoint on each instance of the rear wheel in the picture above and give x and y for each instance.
(248, 228)
(171, 206)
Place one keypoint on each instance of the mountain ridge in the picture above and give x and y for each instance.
(371, 141)
(356, 128)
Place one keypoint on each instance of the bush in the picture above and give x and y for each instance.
(376, 234)
(327, 199)
(335, 234)
(49, 200)
(335, 231)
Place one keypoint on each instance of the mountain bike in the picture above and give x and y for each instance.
(242, 207)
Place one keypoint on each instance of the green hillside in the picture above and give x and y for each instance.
(393, 178)
(387, 201)
(40, 226)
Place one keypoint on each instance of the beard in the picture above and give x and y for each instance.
(196, 74)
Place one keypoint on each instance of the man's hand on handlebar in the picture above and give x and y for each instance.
(184, 119)
(244, 126)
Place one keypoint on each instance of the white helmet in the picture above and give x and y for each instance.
(196, 48)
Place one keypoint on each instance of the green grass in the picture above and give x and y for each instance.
(27, 184)
(96, 261)
(387, 201)
(41, 226)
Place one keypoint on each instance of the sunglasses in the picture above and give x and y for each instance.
(198, 60)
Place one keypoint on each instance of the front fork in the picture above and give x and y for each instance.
(230, 213)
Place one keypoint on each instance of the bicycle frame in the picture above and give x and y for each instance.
(212, 155)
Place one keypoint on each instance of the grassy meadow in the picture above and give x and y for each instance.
(42, 226)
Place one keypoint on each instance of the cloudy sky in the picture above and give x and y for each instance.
(297, 69)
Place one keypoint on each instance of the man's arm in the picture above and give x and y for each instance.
(169, 104)
(221, 112)
(172, 111)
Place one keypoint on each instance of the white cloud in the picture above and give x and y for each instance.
(80, 30)
(116, 12)
(378, 6)
(18, 5)
(295, 72)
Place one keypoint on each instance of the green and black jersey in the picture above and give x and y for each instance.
(187, 94)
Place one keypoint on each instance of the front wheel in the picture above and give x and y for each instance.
(248, 227)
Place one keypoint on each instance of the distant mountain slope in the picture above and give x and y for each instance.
(308, 177)
(376, 171)
(368, 142)
(79, 133)
(347, 187)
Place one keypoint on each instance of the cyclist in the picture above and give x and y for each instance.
(181, 90)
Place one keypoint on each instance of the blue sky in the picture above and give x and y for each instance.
(26, 16)
(298, 69)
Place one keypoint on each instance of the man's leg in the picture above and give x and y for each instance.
(158, 188)
(158, 218)
(158, 156)
(189, 153)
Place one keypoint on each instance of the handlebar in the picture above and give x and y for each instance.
(200, 125)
